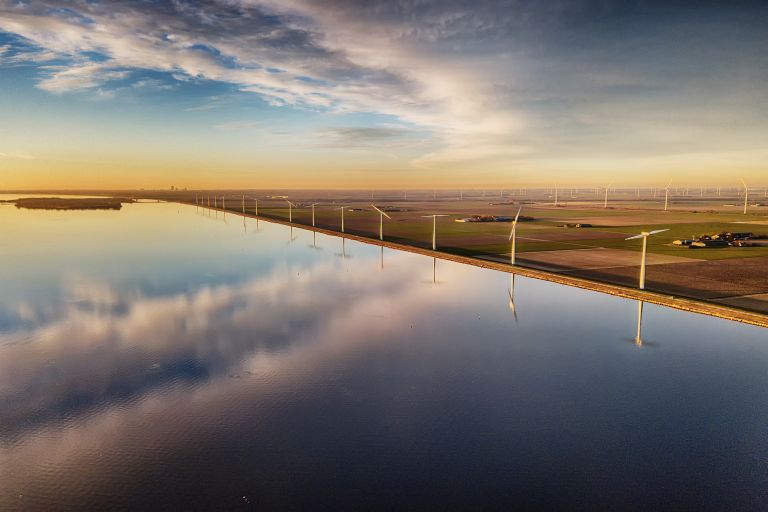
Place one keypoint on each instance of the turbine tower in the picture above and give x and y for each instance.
(605, 203)
(746, 195)
(313, 213)
(434, 228)
(644, 235)
(342, 216)
(513, 237)
(290, 210)
(381, 221)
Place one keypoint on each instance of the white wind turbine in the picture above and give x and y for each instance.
(342, 216)
(644, 235)
(666, 195)
(381, 221)
(434, 228)
(513, 237)
(605, 203)
(313, 213)
(291, 206)
(746, 195)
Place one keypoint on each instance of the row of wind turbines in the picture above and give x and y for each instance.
(667, 193)
(382, 215)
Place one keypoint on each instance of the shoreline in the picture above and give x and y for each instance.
(671, 301)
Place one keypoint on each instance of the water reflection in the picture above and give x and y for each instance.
(243, 366)
(511, 293)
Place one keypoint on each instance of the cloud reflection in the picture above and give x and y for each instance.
(107, 344)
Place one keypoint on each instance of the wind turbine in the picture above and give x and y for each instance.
(513, 237)
(256, 210)
(243, 204)
(666, 195)
(434, 228)
(555, 194)
(644, 235)
(605, 204)
(290, 210)
(342, 216)
(313, 213)
(381, 221)
(746, 195)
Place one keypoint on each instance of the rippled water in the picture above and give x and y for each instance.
(160, 357)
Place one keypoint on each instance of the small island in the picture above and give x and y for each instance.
(58, 203)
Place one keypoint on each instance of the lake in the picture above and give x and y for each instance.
(166, 357)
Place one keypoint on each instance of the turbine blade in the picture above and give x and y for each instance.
(381, 212)
(658, 231)
(634, 237)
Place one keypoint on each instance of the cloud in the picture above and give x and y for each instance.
(88, 75)
(365, 137)
(292, 54)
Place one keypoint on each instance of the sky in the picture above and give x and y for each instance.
(384, 94)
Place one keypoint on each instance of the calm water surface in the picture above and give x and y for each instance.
(160, 357)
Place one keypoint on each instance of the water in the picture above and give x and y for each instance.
(162, 357)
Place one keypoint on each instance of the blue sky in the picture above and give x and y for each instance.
(366, 93)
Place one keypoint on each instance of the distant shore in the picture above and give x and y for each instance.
(59, 203)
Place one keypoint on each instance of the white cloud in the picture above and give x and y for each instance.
(322, 62)
(87, 75)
